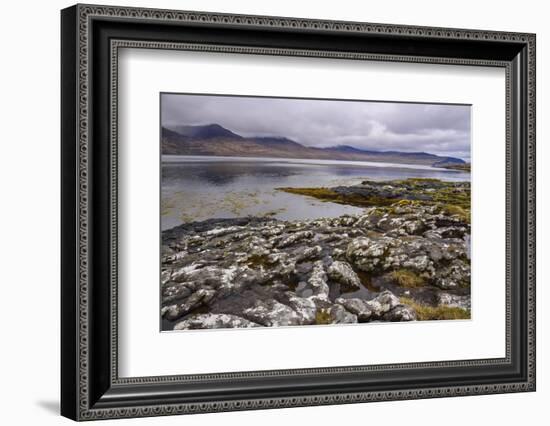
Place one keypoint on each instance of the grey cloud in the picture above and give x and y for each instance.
(435, 128)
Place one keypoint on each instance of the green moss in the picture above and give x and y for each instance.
(452, 198)
(327, 194)
(452, 195)
(454, 210)
(421, 180)
(408, 203)
(321, 193)
(463, 167)
(402, 203)
(426, 312)
(407, 278)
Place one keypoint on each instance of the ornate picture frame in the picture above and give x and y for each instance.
(91, 37)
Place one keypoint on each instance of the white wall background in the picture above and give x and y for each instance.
(29, 225)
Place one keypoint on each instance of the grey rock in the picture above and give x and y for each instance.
(419, 263)
(400, 313)
(212, 321)
(454, 276)
(339, 315)
(317, 282)
(304, 307)
(271, 231)
(367, 310)
(454, 300)
(343, 273)
(367, 254)
(414, 227)
(309, 253)
(358, 307)
(369, 219)
(209, 276)
(383, 303)
(272, 313)
(177, 292)
(294, 238)
(197, 299)
(222, 231)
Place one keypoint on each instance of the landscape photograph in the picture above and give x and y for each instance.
(278, 212)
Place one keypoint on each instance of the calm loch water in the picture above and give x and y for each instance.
(195, 188)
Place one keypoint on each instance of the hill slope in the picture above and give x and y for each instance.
(213, 139)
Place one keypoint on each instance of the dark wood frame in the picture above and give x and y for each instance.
(90, 386)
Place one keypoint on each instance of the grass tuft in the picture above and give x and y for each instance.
(322, 317)
(426, 313)
(406, 278)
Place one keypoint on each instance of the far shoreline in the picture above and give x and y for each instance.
(170, 158)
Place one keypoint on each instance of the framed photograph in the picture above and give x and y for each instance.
(263, 212)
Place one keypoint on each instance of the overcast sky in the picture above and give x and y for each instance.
(434, 128)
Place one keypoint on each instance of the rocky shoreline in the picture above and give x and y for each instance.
(405, 258)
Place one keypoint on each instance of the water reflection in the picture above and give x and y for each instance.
(222, 173)
(209, 187)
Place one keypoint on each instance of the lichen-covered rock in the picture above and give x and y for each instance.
(413, 227)
(294, 238)
(317, 282)
(343, 273)
(339, 315)
(453, 276)
(367, 310)
(303, 272)
(418, 263)
(304, 307)
(220, 232)
(212, 321)
(209, 276)
(334, 314)
(271, 313)
(197, 299)
(367, 254)
(454, 300)
(309, 253)
(400, 313)
(358, 307)
(280, 264)
(382, 303)
(177, 291)
(370, 218)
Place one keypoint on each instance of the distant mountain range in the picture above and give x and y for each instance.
(213, 139)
